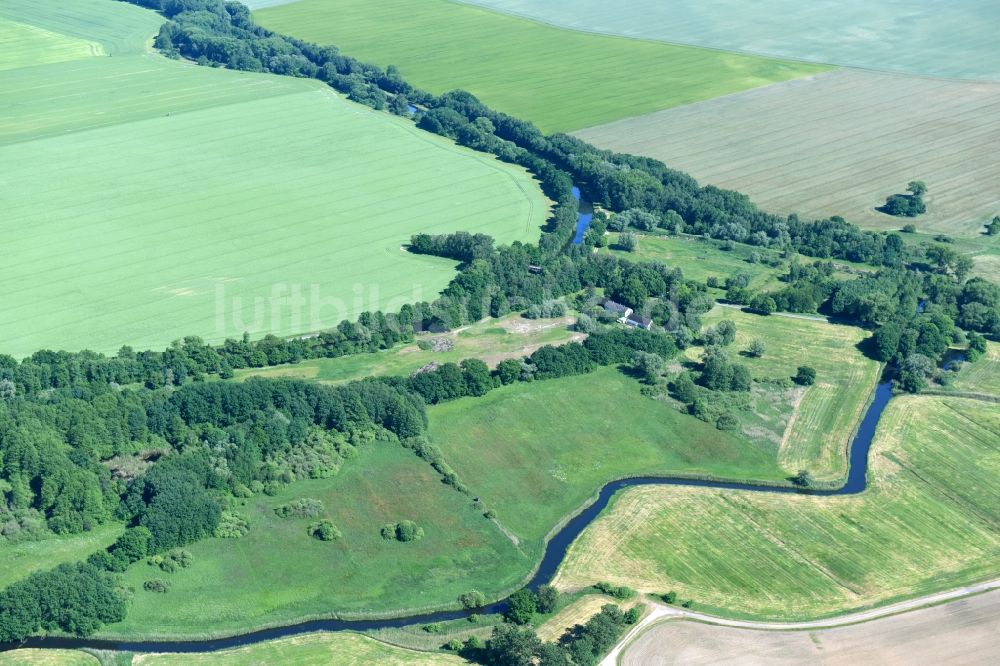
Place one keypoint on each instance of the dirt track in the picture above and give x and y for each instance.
(964, 631)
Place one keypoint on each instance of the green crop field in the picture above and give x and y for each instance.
(927, 522)
(947, 40)
(491, 340)
(838, 144)
(19, 559)
(279, 574)
(343, 649)
(819, 420)
(153, 198)
(560, 79)
(536, 452)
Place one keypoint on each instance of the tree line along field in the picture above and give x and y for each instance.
(816, 423)
(559, 79)
(143, 213)
(957, 632)
(953, 40)
(927, 522)
(490, 340)
(838, 143)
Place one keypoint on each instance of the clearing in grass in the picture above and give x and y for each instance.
(491, 340)
(807, 427)
(837, 144)
(20, 558)
(343, 649)
(278, 574)
(113, 221)
(927, 522)
(559, 79)
(535, 452)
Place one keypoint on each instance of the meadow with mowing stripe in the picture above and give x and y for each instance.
(278, 574)
(32, 657)
(490, 340)
(343, 649)
(983, 376)
(927, 522)
(154, 199)
(838, 143)
(813, 426)
(535, 452)
(559, 79)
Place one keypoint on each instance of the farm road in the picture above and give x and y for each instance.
(661, 613)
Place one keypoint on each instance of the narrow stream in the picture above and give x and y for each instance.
(555, 553)
(584, 217)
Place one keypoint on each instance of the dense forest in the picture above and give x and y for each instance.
(140, 438)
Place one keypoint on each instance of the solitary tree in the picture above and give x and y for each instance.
(756, 348)
(805, 376)
(993, 228)
(628, 242)
(803, 478)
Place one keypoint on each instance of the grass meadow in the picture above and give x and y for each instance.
(140, 210)
(837, 144)
(560, 79)
(342, 649)
(954, 40)
(983, 376)
(813, 426)
(17, 560)
(33, 657)
(491, 340)
(278, 574)
(927, 522)
(536, 452)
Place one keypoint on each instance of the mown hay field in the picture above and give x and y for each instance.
(33, 657)
(837, 144)
(278, 574)
(983, 376)
(822, 418)
(947, 40)
(559, 79)
(927, 522)
(343, 649)
(146, 199)
(959, 632)
(534, 453)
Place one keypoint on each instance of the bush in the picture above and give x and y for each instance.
(231, 526)
(521, 607)
(472, 599)
(727, 421)
(805, 376)
(490, 514)
(405, 531)
(632, 615)
(324, 530)
(616, 591)
(547, 597)
(434, 628)
(454, 645)
(156, 585)
(756, 348)
(300, 508)
(669, 597)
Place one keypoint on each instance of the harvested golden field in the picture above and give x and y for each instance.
(928, 521)
(961, 632)
(837, 144)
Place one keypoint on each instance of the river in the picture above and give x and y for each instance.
(555, 553)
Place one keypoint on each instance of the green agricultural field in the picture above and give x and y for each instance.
(343, 649)
(27, 45)
(536, 452)
(927, 522)
(17, 560)
(491, 340)
(560, 79)
(141, 210)
(955, 40)
(983, 376)
(819, 420)
(278, 574)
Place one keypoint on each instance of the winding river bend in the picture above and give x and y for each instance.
(555, 553)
